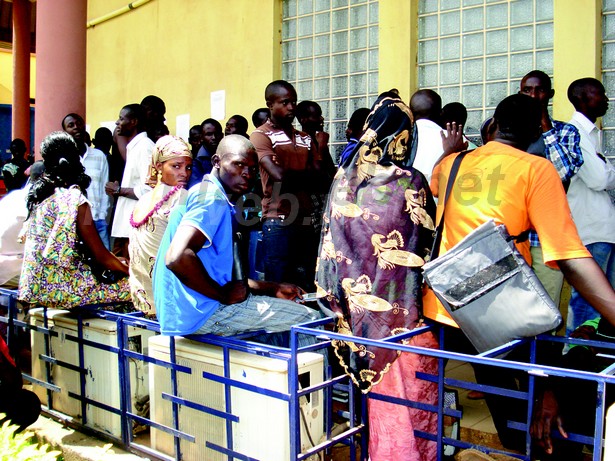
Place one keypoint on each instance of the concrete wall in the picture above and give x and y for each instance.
(182, 51)
(6, 76)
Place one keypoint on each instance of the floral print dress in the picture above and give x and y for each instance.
(53, 274)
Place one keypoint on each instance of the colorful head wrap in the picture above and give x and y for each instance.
(167, 148)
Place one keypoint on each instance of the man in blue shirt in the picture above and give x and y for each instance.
(193, 287)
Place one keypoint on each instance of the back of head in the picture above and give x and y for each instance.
(36, 170)
(63, 168)
(388, 137)
(103, 139)
(18, 147)
(357, 121)
(578, 88)
(453, 112)
(274, 87)
(517, 118)
(426, 104)
(305, 107)
(260, 116)
(154, 107)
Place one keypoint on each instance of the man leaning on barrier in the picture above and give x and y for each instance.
(524, 192)
(194, 290)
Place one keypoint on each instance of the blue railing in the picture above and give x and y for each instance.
(181, 428)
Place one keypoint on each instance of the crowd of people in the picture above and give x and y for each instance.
(158, 220)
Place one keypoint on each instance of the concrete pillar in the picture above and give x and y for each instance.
(60, 65)
(21, 71)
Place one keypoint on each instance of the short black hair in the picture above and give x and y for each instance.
(518, 119)
(73, 115)
(155, 103)
(357, 119)
(212, 121)
(543, 77)
(241, 123)
(135, 111)
(256, 116)
(453, 112)
(304, 106)
(274, 86)
(576, 90)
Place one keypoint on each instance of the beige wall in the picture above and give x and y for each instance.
(6, 76)
(176, 50)
(577, 35)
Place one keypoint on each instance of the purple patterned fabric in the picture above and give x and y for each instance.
(377, 229)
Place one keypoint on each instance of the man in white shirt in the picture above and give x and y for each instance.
(97, 168)
(591, 206)
(131, 125)
(426, 106)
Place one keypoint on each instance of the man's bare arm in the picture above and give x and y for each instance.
(589, 280)
(182, 260)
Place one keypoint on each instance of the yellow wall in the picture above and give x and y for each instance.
(6, 76)
(577, 35)
(398, 50)
(176, 50)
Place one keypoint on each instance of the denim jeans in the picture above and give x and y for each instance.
(290, 253)
(579, 310)
(257, 313)
(103, 231)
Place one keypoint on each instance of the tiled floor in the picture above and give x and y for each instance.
(475, 412)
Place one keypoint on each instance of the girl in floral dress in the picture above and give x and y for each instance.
(58, 230)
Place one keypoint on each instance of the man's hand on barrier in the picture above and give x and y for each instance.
(546, 417)
(288, 291)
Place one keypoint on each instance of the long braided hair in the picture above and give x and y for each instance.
(63, 168)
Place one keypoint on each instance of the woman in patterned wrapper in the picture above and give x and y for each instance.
(59, 219)
(377, 232)
(170, 171)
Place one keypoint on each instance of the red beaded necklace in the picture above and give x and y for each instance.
(164, 199)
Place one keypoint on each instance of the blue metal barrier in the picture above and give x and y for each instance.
(355, 433)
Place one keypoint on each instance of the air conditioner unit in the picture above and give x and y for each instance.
(102, 378)
(262, 431)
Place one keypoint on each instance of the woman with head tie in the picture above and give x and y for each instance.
(170, 171)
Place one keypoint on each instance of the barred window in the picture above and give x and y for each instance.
(476, 51)
(330, 55)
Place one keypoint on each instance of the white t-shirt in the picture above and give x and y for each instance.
(136, 172)
(429, 148)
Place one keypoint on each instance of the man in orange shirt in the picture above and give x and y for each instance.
(501, 182)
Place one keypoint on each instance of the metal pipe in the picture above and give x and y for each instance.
(116, 13)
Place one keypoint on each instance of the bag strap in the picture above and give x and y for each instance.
(435, 249)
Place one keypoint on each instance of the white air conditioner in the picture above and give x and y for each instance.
(262, 431)
(102, 378)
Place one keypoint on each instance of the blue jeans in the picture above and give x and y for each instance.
(290, 253)
(579, 310)
(103, 231)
